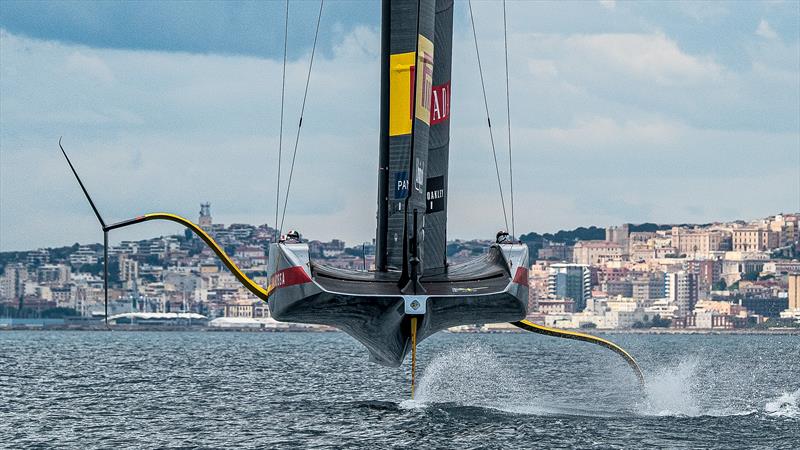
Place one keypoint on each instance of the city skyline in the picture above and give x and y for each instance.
(671, 126)
(732, 275)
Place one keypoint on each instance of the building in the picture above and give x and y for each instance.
(333, 248)
(786, 225)
(204, 221)
(555, 306)
(681, 289)
(249, 308)
(557, 251)
(128, 269)
(12, 284)
(699, 242)
(613, 288)
(619, 235)
(708, 272)
(648, 288)
(84, 255)
(794, 291)
(38, 257)
(754, 239)
(537, 284)
(606, 274)
(571, 281)
(48, 274)
(777, 267)
(664, 308)
(596, 252)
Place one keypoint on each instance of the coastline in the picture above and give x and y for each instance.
(203, 328)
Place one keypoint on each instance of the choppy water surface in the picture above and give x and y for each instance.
(307, 390)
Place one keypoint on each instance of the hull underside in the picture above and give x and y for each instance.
(370, 307)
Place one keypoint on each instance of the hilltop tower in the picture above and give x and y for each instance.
(205, 216)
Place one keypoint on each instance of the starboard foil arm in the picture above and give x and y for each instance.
(251, 285)
(564, 334)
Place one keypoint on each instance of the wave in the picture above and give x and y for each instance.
(785, 405)
(672, 392)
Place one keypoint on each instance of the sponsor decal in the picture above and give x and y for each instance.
(458, 290)
(400, 185)
(423, 74)
(440, 103)
(401, 82)
(289, 277)
(419, 178)
(406, 84)
(521, 276)
(434, 195)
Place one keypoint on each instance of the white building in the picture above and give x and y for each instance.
(84, 255)
(681, 288)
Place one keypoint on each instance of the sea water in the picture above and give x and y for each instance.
(73, 389)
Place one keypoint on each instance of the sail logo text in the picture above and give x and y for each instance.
(434, 195)
(440, 103)
(400, 185)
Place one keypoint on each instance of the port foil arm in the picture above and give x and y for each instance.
(251, 285)
(564, 334)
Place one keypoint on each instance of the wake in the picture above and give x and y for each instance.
(475, 376)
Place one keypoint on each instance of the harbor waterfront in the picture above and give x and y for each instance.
(255, 390)
(33, 325)
(627, 277)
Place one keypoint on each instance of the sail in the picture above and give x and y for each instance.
(407, 70)
(435, 236)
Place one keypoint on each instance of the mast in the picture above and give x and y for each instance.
(406, 88)
(414, 134)
(383, 158)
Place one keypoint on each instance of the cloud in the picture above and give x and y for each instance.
(543, 68)
(765, 30)
(608, 4)
(649, 56)
(642, 117)
(248, 27)
(89, 65)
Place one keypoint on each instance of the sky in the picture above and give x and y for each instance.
(670, 112)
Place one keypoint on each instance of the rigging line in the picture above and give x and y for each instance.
(488, 119)
(508, 116)
(280, 132)
(302, 110)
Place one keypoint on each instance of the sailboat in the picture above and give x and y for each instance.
(413, 289)
(414, 292)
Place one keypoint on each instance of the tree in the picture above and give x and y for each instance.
(720, 285)
(750, 276)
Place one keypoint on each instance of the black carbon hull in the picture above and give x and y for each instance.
(370, 307)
